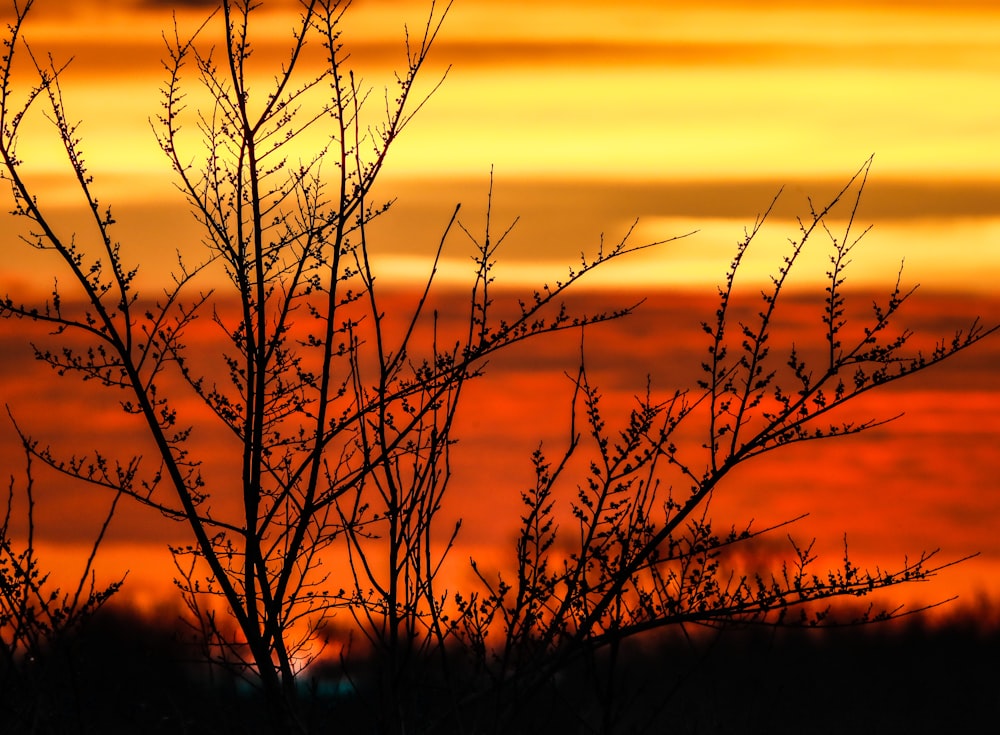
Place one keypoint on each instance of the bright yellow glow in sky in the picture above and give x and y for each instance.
(643, 89)
(782, 91)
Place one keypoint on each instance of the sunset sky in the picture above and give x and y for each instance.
(687, 117)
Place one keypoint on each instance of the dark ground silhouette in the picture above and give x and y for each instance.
(127, 675)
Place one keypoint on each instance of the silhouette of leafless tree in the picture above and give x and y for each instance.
(339, 415)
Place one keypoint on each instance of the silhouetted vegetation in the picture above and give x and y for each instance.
(339, 416)
(124, 674)
(38, 619)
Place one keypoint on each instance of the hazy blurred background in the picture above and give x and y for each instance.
(684, 117)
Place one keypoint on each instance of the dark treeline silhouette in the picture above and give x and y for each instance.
(128, 674)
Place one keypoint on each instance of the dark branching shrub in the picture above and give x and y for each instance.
(38, 619)
(338, 404)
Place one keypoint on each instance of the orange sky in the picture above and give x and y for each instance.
(688, 116)
(928, 481)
